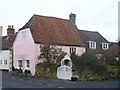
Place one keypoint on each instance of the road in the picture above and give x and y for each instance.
(10, 81)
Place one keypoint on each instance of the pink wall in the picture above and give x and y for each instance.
(24, 49)
(66, 49)
(79, 50)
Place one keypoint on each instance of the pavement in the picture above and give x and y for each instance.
(12, 81)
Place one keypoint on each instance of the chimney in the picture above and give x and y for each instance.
(10, 30)
(72, 18)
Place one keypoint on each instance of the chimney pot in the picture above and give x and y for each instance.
(9, 26)
(12, 26)
(10, 30)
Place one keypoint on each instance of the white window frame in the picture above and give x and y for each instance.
(26, 64)
(105, 46)
(73, 49)
(92, 44)
(18, 64)
(5, 62)
(24, 34)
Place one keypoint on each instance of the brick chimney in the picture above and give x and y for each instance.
(72, 18)
(10, 30)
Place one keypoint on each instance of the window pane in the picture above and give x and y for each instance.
(92, 44)
(72, 49)
(28, 63)
(105, 46)
(0, 61)
(5, 62)
(20, 63)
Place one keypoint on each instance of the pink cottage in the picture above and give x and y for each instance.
(40, 30)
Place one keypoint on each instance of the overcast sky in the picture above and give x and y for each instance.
(91, 15)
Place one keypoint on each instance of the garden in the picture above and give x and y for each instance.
(88, 67)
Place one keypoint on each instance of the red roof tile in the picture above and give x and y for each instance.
(53, 30)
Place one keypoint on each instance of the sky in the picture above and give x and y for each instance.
(91, 15)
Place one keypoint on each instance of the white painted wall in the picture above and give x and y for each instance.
(5, 55)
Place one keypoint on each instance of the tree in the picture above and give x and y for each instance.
(91, 63)
(49, 53)
(75, 60)
(87, 61)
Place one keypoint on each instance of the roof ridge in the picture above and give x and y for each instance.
(50, 17)
(88, 31)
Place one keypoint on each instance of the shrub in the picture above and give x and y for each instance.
(109, 61)
(90, 62)
(17, 72)
(88, 65)
(45, 71)
(27, 73)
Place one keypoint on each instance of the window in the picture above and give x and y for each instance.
(92, 44)
(27, 63)
(24, 34)
(72, 49)
(19, 63)
(104, 46)
(5, 62)
(0, 61)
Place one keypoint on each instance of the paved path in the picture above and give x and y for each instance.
(10, 81)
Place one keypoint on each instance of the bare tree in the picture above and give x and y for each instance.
(49, 53)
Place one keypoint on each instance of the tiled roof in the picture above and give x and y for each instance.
(53, 30)
(7, 43)
(93, 36)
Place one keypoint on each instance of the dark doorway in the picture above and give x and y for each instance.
(66, 62)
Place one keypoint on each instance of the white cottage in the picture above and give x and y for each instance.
(6, 54)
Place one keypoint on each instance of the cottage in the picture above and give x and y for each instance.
(41, 30)
(94, 42)
(6, 54)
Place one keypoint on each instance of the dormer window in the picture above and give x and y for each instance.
(92, 44)
(105, 46)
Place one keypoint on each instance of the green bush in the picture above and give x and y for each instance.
(27, 73)
(45, 71)
(18, 72)
(88, 66)
(90, 62)
(110, 61)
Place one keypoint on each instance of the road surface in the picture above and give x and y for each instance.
(11, 81)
